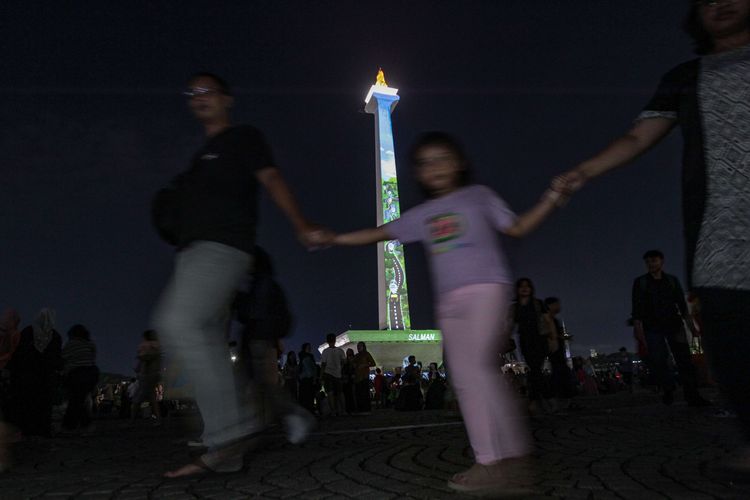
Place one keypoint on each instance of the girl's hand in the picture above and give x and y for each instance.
(318, 238)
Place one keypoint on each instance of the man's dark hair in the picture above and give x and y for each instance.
(330, 338)
(653, 253)
(447, 141)
(79, 332)
(222, 84)
(623, 349)
(551, 300)
(703, 43)
(378, 370)
(150, 335)
(412, 359)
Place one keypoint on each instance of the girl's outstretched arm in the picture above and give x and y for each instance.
(530, 220)
(362, 237)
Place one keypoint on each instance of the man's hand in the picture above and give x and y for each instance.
(573, 180)
(316, 237)
(638, 332)
(691, 327)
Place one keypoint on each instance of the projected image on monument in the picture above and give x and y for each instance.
(395, 338)
(394, 301)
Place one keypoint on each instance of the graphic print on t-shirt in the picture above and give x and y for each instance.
(445, 228)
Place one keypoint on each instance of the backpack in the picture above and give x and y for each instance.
(165, 214)
(264, 309)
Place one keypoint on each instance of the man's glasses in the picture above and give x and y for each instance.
(199, 91)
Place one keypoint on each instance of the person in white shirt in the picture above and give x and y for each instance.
(331, 362)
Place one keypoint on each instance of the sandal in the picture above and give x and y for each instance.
(195, 468)
(225, 459)
(485, 478)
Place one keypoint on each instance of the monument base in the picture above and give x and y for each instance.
(390, 347)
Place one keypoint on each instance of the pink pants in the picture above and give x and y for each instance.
(472, 320)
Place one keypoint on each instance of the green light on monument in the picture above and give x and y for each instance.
(393, 304)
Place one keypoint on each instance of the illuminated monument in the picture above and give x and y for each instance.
(394, 297)
(395, 339)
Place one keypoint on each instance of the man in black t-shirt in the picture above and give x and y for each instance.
(658, 310)
(709, 99)
(213, 215)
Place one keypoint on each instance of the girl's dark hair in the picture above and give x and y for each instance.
(222, 84)
(520, 282)
(447, 141)
(79, 332)
(703, 42)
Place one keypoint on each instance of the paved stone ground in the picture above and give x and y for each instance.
(620, 446)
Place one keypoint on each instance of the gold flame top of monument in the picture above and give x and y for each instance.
(380, 79)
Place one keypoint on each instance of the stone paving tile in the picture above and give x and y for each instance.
(642, 450)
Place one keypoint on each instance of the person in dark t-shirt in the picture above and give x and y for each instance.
(709, 99)
(535, 330)
(211, 212)
(658, 310)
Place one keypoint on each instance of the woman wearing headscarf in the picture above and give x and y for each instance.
(34, 369)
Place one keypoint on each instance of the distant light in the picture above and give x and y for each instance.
(233, 357)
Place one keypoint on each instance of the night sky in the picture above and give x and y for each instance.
(93, 123)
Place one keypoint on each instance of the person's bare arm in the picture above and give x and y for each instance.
(643, 136)
(530, 220)
(362, 237)
(282, 196)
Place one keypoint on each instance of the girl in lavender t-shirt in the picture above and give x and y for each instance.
(458, 226)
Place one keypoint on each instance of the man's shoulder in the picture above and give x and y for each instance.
(674, 280)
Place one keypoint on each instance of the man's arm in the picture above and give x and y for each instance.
(278, 189)
(680, 300)
(643, 136)
(637, 312)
